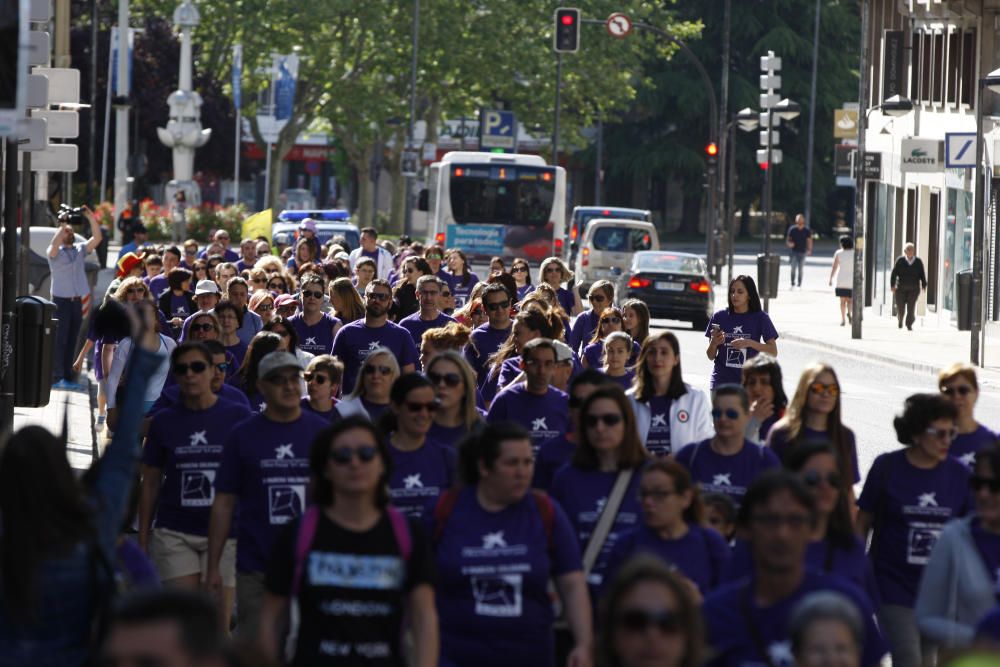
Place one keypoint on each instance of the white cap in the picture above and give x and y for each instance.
(206, 287)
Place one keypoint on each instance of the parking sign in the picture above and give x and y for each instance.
(497, 129)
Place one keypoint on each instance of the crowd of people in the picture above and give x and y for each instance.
(379, 458)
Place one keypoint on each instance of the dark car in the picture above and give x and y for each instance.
(675, 286)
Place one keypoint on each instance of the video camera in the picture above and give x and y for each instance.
(73, 216)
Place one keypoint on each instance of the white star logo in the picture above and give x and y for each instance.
(374, 344)
(263, 406)
(780, 653)
(413, 482)
(968, 459)
(601, 502)
(199, 438)
(181, 310)
(284, 452)
(722, 480)
(660, 420)
(738, 329)
(494, 540)
(311, 340)
(928, 499)
(539, 425)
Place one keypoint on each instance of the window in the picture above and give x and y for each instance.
(939, 69)
(915, 68)
(925, 68)
(954, 65)
(968, 86)
(621, 239)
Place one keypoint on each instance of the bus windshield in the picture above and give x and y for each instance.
(506, 195)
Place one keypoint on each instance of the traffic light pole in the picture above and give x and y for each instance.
(555, 124)
(8, 286)
(858, 282)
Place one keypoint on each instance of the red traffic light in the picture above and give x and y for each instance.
(763, 166)
(567, 19)
(712, 149)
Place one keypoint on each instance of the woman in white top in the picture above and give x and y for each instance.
(843, 270)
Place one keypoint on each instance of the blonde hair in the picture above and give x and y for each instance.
(452, 336)
(359, 385)
(129, 283)
(959, 370)
(470, 415)
(566, 273)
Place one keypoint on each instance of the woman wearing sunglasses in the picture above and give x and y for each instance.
(404, 293)
(262, 303)
(554, 272)
(908, 496)
(599, 488)
(277, 284)
(649, 619)
(671, 529)
(422, 468)
(435, 256)
(814, 416)
(959, 587)
(959, 385)
(728, 462)
(203, 326)
(600, 296)
(351, 522)
(610, 321)
(323, 376)
(180, 458)
(455, 389)
(370, 397)
(520, 270)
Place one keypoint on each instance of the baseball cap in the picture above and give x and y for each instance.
(563, 351)
(308, 223)
(285, 300)
(206, 287)
(275, 361)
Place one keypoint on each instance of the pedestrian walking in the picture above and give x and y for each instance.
(739, 332)
(800, 243)
(843, 271)
(907, 280)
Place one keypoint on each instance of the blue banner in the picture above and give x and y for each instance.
(237, 76)
(114, 59)
(284, 89)
(476, 239)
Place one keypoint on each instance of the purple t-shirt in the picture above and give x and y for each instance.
(420, 476)
(179, 306)
(736, 625)
(494, 568)
(593, 353)
(583, 329)
(624, 381)
(910, 506)
(307, 406)
(458, 290)
(171, 397)
(186, 445)
(238, 352)
(778, 442)
(355, 341)
(484, 342)
(583, 494)
(965, 445)
(545, 416)
(658, 441)
(701, 554)
(315, 339)
(525, 290)
(417, 326)
(732, 474)
(157, 285)
(451, 436)
(566, 300)
(729, 362)
(552, 455)
(510, 369)
(266, 465)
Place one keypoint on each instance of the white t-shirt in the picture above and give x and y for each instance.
(156, 381)
(845, 272)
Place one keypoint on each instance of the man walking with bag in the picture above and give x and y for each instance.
(907, 280)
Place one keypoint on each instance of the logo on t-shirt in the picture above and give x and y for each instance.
(738, 329)
(928, 500)
(284, 451)
(682, 416)
(285, 502)
(413, 482)
(498, 596)
(197, 488)
(539, 425)
(722, 479)
(494, 540)
(199, 438)
(659, 420)
(311, 340)
(968, 460)
(780, 653)
(181, 310)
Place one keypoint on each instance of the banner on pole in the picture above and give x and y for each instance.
(258, 224)
(237, 75)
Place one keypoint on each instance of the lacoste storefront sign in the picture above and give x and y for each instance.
(924, 155)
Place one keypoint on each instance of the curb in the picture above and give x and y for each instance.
(874, 356)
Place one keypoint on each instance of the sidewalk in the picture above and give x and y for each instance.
(79, 410)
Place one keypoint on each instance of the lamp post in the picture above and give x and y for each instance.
(992, 82)
(896, 107)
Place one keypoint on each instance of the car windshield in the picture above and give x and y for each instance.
(621, 239)
(668, 262)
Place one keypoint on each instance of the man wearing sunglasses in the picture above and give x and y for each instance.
(220, 368)
(429, 316)
(315, 328)
(534, 404)
(355, 340)
(265, 467)
(487, 338)
(747, 622)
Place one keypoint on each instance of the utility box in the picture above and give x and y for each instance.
(769, 288)
(34, 343)
(964, 285)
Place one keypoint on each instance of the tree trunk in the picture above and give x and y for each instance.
(397, 206)
(361, 162)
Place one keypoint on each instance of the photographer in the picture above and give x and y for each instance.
(69, 287)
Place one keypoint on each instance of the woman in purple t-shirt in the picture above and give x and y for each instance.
(959, 385)
(230, 321)
(455, 387)
(739, 332)
(554, 272)
(461, 279)
(615, 360)
(370, 397)
(761, 377)
(609, 321)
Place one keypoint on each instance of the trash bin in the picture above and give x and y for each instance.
(964, 285)
(770, 289)
(34, 343)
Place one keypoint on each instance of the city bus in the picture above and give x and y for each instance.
(488, 204)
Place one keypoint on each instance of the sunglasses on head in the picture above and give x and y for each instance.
(450, 379)
(609, 419)
(641, 620)
(414, 406)
(195, 367)
(207, 326)
(344, 455)
(382, 370)
(729, 413)
(979, 483)
(320, 379)
(813, 479)
(961, 390)
(498, 305)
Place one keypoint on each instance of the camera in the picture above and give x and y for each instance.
(73, 216)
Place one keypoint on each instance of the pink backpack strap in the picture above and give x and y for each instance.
(307, 532)
(401, 530)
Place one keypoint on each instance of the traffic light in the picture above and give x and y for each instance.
(566, 38)
(711, 153)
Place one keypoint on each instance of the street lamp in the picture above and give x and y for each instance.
(895, 107)
(992, 82)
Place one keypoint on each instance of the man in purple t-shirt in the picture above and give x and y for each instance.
(540, 408)
(429, 316)
(487, 338)
(265, 467)
(355, 340)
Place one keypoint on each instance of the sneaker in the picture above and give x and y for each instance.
(101, 421)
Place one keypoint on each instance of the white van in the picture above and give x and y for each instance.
(608, 243)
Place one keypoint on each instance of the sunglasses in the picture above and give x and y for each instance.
(819, 388)
(641, 620)
(948, 434)
(202, 327)
(612, 320)
(498, 305)
(729, 413)
(813, 479)
(382, 370)
(978, 483)
(276, 285)
(195, 367)
(553, 269)
(609, 419)
(962, 390)
(519, 269)
(315, 295)
(379, 296)
(597, 298)
(224, 366)
(656, 494)
(450, 379)
(344, 455)
(413, 406)
(320, 379)
(265, 307)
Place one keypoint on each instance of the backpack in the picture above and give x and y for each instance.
(447, 501)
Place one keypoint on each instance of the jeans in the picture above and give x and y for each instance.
(797, 261)
(899, 627)
(70, 315)
(906, 299)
